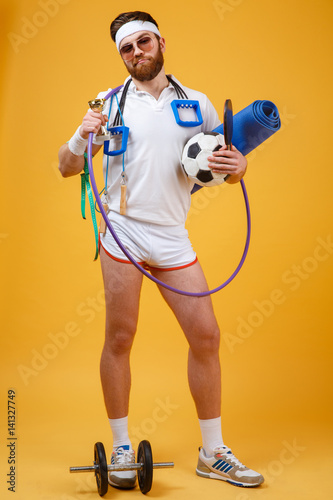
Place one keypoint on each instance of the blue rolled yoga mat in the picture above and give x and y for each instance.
(251, 127)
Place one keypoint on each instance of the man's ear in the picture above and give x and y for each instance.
(162, 44)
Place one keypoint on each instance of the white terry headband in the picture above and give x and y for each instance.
(133, 27)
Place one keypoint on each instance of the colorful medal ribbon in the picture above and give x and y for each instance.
(86, 187)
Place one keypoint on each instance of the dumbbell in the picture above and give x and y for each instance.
(144, 467)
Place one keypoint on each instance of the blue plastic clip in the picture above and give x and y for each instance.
(186, 103)
(116, 132)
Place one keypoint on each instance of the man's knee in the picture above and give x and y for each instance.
(205, 341)
(119, 340)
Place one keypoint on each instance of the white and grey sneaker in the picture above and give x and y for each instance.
(123, 479)
(225, 466)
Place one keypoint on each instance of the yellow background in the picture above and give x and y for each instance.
(275, 317)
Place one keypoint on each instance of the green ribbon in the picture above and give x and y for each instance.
(86, 187)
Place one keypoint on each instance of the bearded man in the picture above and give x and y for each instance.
(158, 196)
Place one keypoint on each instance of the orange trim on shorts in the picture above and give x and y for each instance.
(173, 268)
(144, 264)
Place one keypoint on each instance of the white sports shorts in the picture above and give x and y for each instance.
(153, 246)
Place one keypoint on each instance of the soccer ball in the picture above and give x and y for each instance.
(194, 158)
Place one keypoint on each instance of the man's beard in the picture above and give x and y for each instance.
(148, 70)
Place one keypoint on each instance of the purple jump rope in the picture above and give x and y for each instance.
(129, 256)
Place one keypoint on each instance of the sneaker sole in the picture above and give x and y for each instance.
(125, 487)
(213, 475)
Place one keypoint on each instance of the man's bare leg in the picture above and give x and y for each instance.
(122, 284)
(196, 318)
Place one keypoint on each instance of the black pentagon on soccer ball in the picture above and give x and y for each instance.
(204, 176)
(193, 150)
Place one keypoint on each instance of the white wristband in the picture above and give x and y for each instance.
(77, 145)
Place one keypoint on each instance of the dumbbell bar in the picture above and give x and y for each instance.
(144, 467)
(119, 468)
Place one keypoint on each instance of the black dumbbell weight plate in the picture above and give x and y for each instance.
(145, 476)
(101, 473)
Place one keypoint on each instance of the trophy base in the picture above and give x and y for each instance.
(101, 138)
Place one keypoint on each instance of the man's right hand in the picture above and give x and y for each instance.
(69, 163)
(92, 122)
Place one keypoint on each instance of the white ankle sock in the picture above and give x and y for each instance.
(211, 432)
(119, 428)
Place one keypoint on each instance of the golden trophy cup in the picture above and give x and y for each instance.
(98, 106)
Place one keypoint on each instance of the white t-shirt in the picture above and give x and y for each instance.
(158, 190)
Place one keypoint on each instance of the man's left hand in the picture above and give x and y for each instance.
(230, 162)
